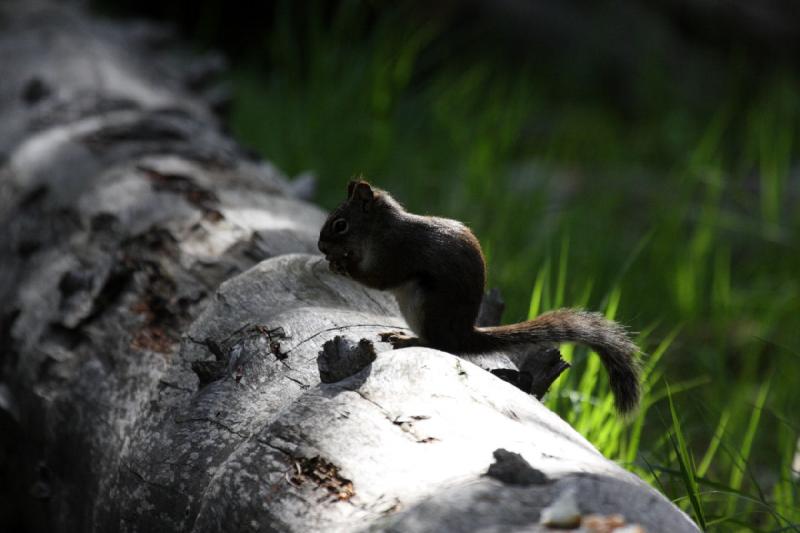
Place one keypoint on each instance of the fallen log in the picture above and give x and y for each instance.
(175, 356)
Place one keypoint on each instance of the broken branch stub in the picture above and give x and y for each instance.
(341, 358)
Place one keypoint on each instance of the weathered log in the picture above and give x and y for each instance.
(163, 315)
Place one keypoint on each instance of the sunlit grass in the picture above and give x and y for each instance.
(583, 397)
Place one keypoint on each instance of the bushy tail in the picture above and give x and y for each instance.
(609, 339)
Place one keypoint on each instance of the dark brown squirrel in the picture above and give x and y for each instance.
(436, 271)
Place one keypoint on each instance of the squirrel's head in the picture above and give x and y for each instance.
(342, 238)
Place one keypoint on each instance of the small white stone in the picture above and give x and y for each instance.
(631, 528)
(563, 512)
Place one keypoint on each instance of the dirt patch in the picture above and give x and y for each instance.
(324, 474)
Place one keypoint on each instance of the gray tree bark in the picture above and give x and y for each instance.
(163, 312)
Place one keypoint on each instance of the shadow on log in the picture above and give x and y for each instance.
(162, 317)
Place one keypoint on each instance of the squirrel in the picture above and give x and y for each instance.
(436, 270)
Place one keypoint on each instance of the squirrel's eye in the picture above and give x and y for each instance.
(340, 226)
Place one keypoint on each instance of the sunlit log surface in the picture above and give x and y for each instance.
(163, 310)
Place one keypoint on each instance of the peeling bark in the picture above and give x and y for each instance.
(163, 312)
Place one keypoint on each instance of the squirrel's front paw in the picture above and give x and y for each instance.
(398, 339)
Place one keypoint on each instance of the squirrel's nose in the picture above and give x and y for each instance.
(322, 247)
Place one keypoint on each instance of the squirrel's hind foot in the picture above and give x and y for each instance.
(398, 339)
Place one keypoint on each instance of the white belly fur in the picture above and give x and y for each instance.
(409, 299)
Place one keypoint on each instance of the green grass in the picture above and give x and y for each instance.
(677, 217)
(687, 466)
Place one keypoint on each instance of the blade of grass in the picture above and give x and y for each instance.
(737, 474)
(714, 445)
(539, 289)
(561, 279)
(686, 464)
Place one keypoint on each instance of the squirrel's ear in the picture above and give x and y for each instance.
(350, 187)
(363, 193)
